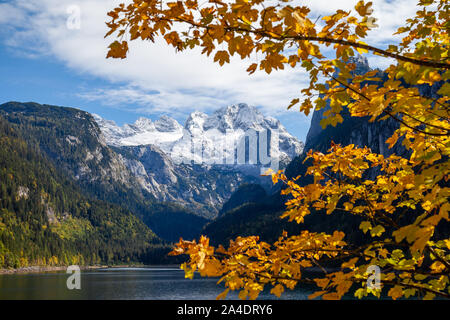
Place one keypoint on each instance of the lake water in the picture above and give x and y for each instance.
(150, 283)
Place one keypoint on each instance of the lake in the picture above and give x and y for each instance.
(149, 283)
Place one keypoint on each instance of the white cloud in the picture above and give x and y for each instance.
(154, 77)
(8, 12)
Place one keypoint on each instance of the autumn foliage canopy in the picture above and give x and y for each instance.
(414, 259)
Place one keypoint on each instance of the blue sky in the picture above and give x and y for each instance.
(44, 61)
(48, 81)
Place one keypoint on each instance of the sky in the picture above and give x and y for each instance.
(46, 57)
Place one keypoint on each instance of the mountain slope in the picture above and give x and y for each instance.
(73, 143)
(46, 219)
(199, 188)
(246, 193)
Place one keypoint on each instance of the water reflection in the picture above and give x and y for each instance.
(153, 283)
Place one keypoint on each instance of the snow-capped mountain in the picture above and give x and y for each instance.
(199, 165)
(144, 131)
(233, 135)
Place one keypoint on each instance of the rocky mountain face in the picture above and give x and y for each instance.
(74, 141)
(357, 131)
(199, 165)
(202, 189)
(352, 131)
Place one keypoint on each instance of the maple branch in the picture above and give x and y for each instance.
(263, 33)
(359, 280)
(428, 63)
(425, 123)
(415, 286)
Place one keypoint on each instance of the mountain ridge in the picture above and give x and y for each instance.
(210, 131)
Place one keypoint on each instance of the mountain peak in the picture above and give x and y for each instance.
(359, 60)
(248, 117)
(234, 117)
(167, 124)
(208, 131)
(144, 124)
(195, 121)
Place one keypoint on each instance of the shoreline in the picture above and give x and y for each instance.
(43, 269)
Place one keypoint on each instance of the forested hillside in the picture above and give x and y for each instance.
(46, 220)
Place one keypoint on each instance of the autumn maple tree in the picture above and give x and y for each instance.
(414, 259)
